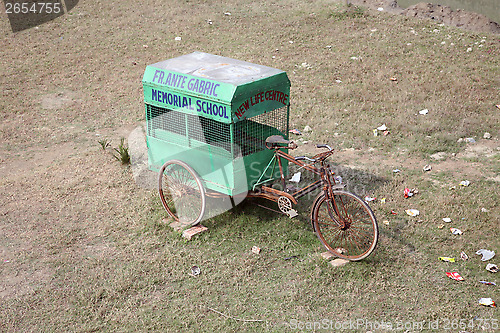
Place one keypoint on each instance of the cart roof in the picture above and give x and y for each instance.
(226, 76)
(217, 68)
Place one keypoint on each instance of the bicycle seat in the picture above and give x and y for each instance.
(276, 141)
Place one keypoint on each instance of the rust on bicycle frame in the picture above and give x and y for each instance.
(273, 194)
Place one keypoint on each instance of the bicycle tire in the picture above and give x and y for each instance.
(182, 192)
(350, 230)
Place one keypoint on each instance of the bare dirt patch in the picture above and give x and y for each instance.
(438, 13)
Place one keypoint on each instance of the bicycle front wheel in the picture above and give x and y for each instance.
(182, 193)
(345, 225)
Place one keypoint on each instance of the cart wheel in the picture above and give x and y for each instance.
(181, 192)
(348, 231)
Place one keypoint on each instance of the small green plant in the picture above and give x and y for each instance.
(104, 143)
(122, 150)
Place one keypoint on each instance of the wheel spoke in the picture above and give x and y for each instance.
(181, 192)
(355, 230)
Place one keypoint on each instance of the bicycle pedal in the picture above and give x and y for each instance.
(292, 213)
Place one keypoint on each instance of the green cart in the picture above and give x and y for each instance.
(214, 114)
(218, 127)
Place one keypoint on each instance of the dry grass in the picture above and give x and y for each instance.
(83, 249)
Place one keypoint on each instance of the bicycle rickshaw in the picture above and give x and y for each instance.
(218, 127)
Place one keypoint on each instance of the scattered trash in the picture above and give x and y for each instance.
(487, 135)
(382, 128)
(484, 210)
(338, 81)
(487, 254)
(386, 222)
(456, 231)
(498, 106)
(295, 131)
(393, 79)
(178, 38)
(307, 129)
(393, 212)
(380, 9)
(488, 283)
(195, 271)
(424, 111)
(441, 226)
(409, 192)
(464, 256)
(447, 259)
(492, 268)
(227, 13)
(209, 21)
(386, 133)
(412, 212)
(338, 179)
(369, 199)
(464, 183)
(296, 177)
(255, 249)
(452, 188)
(382, 201)
(427, 168)
(470, 140)
(396, 170)
(446, 219)
(487, 302)
(454, 276)
(354, 58)
(145, 46)
(375, 132)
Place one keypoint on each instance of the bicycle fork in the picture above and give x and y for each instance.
(340, 217)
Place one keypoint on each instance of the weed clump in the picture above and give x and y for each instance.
(122, 150)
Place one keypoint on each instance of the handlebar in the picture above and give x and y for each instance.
(324, 146)
(298, 158)
(319, 157)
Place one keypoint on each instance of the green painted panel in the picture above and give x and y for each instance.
(188, 84)
(187, 104)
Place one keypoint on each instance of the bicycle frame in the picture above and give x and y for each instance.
(326, 181)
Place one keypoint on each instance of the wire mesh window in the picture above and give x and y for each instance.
(166, 124)
(203, 131)
(213, 136)
(250, 134)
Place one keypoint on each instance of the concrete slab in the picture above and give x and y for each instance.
(189, 233)
(339, 262)
(138, 151)
(327, 255)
